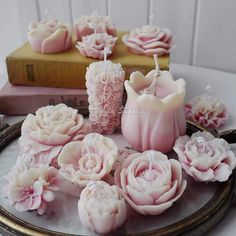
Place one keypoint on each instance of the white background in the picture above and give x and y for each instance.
(204, 30)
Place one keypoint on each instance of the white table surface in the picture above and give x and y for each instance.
(224, 87)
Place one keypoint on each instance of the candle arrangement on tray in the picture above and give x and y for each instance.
(59, 147)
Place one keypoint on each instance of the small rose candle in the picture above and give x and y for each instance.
(154, 113)
(104, 82)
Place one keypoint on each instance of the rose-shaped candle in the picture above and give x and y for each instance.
(205, 157)
(50, 36)
(150, 182)
(104, 82)
(89, 160)
(102, 207)
(149, 40)
(93, 45)
(153, 116)
(85, 26)
(44, 134)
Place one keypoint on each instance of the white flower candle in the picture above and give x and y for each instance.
(104, 82)
(154, 113)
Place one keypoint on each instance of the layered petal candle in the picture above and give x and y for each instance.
(204, 157)
(104, 82)
(93, 45)
(89, 160)
(102, 207)
(50, 36)
(44, 134)
(150, 182)
(153, 116)
(149, 40)
(85, 25)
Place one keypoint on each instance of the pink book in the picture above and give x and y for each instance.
(21, 100)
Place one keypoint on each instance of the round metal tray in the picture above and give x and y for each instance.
(198, 223)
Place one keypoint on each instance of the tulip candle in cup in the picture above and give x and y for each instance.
(104, 82)
(154, 113)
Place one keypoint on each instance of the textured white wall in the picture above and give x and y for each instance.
(204, 30)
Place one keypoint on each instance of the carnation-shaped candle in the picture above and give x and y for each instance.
(93, 45)
(206, 110)
(50, 36)
(153, 116)
(104, 82)
(85, 24)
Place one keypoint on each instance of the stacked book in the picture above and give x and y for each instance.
(36, 79)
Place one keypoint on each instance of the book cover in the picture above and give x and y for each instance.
(21, 100)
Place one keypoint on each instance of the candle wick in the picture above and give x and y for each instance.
(151, 19)
(151, 159)
(155, 56)
(48, 14)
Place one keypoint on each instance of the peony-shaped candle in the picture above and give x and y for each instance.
(104, 82)
(44, 134)
(102, 207)
(150, 182)
(50, 36)
(204, 157)
(153, 116)
(85, 25)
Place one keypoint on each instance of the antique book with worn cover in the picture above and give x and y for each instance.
(21, 100)
(67, 69)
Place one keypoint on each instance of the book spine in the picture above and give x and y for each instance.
(22, 105)
(41, 73)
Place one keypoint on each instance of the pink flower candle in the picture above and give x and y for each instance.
(104, 82)
(50, 36)
(85, 25)
(154, 113)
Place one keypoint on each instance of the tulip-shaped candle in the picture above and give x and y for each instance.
(154, 113)
(104, 82)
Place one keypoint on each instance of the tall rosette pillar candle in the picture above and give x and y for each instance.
(104, 82)
(154, 113)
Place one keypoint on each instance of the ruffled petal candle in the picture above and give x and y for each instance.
(44, 134)
(50, 36)
(89, 160)
(85, 26)
(31, 188)
(149, 40)
(206, 111)
(153, 116)
(104, 82)
(102, 207)
(150, 182)
(205, 157)
(93, 45)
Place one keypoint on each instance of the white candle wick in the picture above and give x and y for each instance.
(156, 62)
(151, 19)
(151, 160)
(93, 26)
(95, 12)
(106, 51)
(48, 14)
(208, 89)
